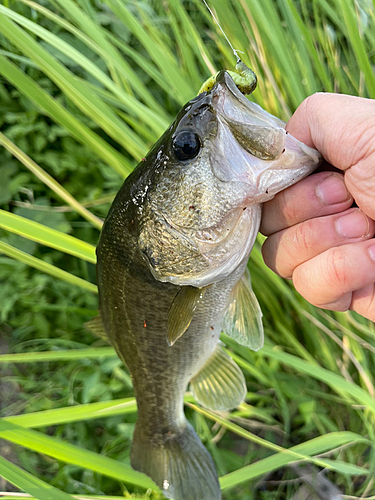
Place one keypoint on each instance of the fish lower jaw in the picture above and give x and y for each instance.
(272, 181)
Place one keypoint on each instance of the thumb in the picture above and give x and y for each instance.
(342, 128)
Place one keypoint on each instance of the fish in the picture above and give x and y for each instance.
(172, 272)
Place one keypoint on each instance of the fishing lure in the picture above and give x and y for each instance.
(244, 78)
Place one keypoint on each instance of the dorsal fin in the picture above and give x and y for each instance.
(182, 311)
(243, 318)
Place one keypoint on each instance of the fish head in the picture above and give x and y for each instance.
(218, 162)
(252, 146)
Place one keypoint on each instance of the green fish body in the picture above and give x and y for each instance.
(172, 272)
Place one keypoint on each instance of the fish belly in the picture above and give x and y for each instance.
(135, 312)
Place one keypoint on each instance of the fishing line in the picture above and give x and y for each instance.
(235, 51)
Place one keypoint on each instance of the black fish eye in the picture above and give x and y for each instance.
(186, 145)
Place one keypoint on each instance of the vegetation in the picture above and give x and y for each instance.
(86, 87)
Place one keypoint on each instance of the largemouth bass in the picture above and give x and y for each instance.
(172, 272)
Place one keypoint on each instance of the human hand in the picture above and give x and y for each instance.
(314, 236)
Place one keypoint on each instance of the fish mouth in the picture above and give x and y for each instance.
(259, 132)
(246, 157)
(253, 147)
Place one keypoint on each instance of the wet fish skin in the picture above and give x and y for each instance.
(160, 373)
(177, 224)
(135, 318)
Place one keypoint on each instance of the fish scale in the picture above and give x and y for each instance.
(146, 299)
(170, 276)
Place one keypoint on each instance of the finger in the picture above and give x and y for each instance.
(329, 279)
(337, 125)
(320, 194)
(363, 301)
(288, 249)
(342, 128)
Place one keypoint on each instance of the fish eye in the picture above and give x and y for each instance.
(186, 145)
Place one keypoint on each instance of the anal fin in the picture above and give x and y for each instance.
(243, 318)
(220, 385)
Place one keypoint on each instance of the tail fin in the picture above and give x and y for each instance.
(179, 464)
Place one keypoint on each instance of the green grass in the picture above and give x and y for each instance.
(86, 87)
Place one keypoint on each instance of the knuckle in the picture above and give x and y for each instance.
(368, 312)
(337, 267)
(342, 304)
(288, 211)
(303, 236)
(303, 284)
(363, 302)
(312, 102)
(360, 138)
(313, 286)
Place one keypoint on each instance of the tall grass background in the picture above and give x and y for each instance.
(86, 87)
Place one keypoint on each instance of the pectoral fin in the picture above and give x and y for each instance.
(182, 311)
(243, 319)
(220, 385)
(95, 326)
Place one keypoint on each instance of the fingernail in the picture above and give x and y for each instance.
(353, 225)
(332, 190)
(371, 251)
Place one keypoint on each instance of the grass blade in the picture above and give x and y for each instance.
(27, 482)
(73, 454)
(45, 267)
(315, 446)
(50, 181)
(61, 116)
(74, 413)
(162, 57)
(358, 44)
(47, 236)
(71, 354)
(83, 458)
(23, 496)
(336, 382)
(98, 40)
(150, 117)
(80, 412)
(301, 453)
(75, 89)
